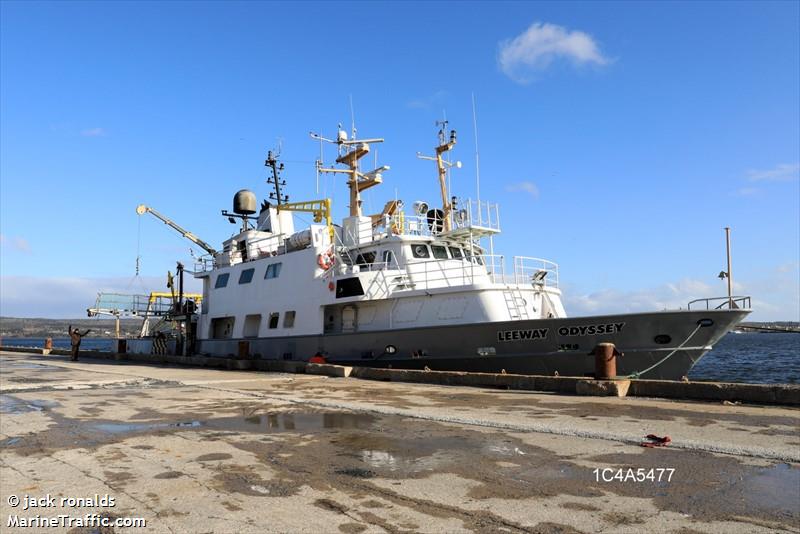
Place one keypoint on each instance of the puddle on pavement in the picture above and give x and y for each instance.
(776, 487)
(267, 423)
(124, 428)
(405, 463)
(13, 405)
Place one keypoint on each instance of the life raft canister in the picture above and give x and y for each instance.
(326, 260)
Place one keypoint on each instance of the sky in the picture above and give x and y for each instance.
(618, 139)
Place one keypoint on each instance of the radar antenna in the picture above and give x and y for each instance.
(350, 151)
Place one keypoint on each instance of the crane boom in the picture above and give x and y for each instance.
(141, 209)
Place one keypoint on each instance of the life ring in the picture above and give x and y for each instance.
(325, 260)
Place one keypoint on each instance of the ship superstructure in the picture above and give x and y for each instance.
(413, 288)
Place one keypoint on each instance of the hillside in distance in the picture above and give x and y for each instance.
(40, 327)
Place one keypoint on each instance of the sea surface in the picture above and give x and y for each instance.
(754, 358)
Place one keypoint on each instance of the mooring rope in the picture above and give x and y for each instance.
(662, 360)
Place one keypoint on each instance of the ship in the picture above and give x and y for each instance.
(415, 287)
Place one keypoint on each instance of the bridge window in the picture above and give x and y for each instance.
(439, 252)
(273, 320)
(247, 276)
(420, 251)
(222, 280)
(288, 319)
(273, 271)
(456, 253)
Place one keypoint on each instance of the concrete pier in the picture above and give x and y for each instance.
(206, 450)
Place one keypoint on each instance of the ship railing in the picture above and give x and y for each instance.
(127, 305)
(481, 216)
(429, 273)
(203, 264)
(261, 247)
(536, 271)
(721, 303)
(455, 272)
(477, 214)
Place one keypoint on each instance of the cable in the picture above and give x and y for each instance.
(640, 373)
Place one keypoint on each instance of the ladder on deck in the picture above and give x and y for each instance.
(515, 303)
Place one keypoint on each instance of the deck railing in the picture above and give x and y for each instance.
(452, 272)
(473, 214)
(721, 303)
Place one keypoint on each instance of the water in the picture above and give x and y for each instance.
(87, 343)
(751, 357)
(279, 422)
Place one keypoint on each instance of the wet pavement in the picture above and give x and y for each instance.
(198, 450)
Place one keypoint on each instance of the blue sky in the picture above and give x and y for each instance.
(618, 138)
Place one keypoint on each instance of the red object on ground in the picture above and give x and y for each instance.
(317, 358)
(656, 441)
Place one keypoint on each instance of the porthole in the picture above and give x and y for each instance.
(705, 322)
(662, 339)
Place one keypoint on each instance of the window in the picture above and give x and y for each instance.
(456, 253)
(439, 252)
(365, 258)
(273, 271)
(222, 280)
(246, 276)
(206, 285)
(388, 258)
(273, 318)
(420, 251)
(288, 319)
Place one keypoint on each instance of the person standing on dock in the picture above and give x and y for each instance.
(75, 337)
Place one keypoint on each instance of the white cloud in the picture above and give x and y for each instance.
(68, 298)
(746, 191)
(542, 43)
(94, 132)
(671, 296)
(526, 187)
(426, 102)
(780, 173)
(20, 244)
(774, 298)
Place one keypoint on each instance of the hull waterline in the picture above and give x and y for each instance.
(659, 345)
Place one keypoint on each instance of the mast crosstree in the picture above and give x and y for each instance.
(350, 152)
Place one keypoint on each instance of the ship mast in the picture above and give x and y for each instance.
(275, 179)
(350, 151)
(442, 166)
